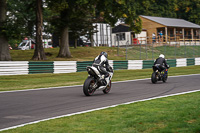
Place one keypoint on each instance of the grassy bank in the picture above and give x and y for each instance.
(33, 81)
(133, 53)
(78, 54)
(170, 52)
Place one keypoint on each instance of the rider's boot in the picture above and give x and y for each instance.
(107, 79)
(165, 73)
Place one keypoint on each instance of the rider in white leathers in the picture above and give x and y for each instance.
(101, 63)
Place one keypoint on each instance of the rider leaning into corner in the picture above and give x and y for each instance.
(101, 63)
(161, 63)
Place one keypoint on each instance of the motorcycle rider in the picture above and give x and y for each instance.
(101, 63)
(161, 63)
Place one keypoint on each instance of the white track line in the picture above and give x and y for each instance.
(97, 109)
(82, 85)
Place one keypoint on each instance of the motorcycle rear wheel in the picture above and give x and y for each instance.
(153, 78)
(108, 88)
(88, 86)
(164, 79)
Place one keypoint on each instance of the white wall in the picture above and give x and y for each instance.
(103, 35)
(121, 42)
(142, 37)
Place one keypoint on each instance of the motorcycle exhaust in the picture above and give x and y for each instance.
(101, 87)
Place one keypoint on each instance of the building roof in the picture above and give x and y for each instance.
(122, 28)
(172, 22)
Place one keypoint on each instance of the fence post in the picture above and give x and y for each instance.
(185, 48)
(196, 46)
(118, 46)
(152, 52)
(191, 47)
(175, 51)
(140, 51)
(115, 39)
(126, 50)
(146, 50)
(193, 51)
(199, 45)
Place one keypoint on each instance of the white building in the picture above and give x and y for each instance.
(103, 35)
(126, 36)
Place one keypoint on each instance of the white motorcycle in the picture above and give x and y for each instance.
(96, 81)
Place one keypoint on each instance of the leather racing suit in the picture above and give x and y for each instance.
(161, 63)
(101, 63)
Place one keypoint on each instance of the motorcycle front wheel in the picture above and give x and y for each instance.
(88, 86)
(153, 78)
(108, 88)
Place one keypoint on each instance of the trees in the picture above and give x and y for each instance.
(188, 10)
(71, 14)
(4, 50)
(39, 50)
(157, 8)
(78, 16)
(22, 19)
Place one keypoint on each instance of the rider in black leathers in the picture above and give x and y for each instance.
(101, 63)
(161, 63)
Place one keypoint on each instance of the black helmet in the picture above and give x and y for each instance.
(104, 53)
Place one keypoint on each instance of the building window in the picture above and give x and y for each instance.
(121, 36)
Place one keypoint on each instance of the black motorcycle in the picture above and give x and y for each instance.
(159, 74)
(96, 81)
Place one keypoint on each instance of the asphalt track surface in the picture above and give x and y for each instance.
(27, 106)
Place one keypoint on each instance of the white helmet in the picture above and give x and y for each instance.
(162, 56)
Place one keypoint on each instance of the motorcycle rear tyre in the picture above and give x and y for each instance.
(87, 86)
(153, 78)
(164, 79)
